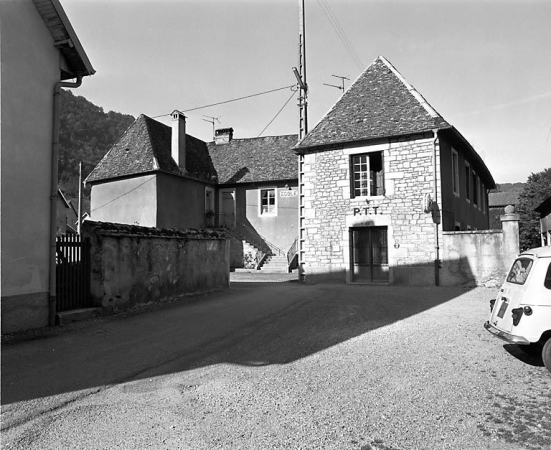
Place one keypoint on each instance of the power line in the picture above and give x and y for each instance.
(282, 108)
(193, 109)
(122, 195)
(340, 33)
(232, 100)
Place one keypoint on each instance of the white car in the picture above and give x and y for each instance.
(521, 313)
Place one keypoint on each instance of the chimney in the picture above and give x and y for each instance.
(223, 136)
(178, 148)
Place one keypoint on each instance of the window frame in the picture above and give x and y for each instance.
(515, 275)
(369, 180)
(468, 181)
(261, 212)
(455, 173)
(474, 189)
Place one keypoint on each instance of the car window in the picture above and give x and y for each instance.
(520, 270)
(547, 281)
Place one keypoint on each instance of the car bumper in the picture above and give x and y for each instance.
(510, 338)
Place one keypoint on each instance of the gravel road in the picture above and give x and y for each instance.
(288, 366)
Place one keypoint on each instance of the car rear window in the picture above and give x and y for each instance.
(547, 281)
(520, 270)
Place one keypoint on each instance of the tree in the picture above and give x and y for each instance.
(536, 190)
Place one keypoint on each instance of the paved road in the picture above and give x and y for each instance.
(281, 365)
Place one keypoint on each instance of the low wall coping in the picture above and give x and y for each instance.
(473, 232)
(119, 229)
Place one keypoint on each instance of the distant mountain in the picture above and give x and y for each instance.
(86, 134)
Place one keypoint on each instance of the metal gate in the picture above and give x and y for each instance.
(72, 272)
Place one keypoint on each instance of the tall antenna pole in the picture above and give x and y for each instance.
(303, 87)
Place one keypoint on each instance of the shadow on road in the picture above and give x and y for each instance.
(529, 359)
(253, 324)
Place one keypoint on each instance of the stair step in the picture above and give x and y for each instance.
(268, 270)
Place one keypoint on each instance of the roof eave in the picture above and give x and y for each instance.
(70, 47)
(490, 183)
(304, 149)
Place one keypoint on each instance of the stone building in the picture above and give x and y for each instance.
(381, 177)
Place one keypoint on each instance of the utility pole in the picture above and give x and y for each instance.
(301, 74)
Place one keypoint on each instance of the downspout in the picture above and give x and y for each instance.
(53, 194)
(435, 219)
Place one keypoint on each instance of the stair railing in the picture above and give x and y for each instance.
(292, 252)
(228, 222)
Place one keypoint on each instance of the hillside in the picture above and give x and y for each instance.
(509, 187)
(86, 134)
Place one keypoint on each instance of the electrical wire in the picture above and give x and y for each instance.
(340, 33)
(122, 195)
(194, 109)
(275, 117)
(232, 100)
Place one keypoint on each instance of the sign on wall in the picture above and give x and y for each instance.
(287, 193)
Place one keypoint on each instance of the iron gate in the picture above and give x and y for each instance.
(72, 272)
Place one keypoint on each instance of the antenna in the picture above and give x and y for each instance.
(338, 87)
(212, 119)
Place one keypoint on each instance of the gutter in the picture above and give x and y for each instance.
(435, 218)
(53, 194)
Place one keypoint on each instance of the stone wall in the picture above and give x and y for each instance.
(329, 211)
(132, 266)
(479, 258)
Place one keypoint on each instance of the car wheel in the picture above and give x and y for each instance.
(533, 349)
(546, 354)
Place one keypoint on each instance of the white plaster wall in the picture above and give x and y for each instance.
(29, 71)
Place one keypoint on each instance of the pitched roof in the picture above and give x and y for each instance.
(501, 199)
(544, 207)
(146, 147)
(380, 103)
(255, 159)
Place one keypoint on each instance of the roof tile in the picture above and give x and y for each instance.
(380, 103)
(146, 147)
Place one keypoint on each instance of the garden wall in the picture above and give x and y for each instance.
(479, 258)
(133, 266)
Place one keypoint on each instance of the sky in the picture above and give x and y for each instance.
(484, 65)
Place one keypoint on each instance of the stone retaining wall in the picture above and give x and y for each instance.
(132, 266)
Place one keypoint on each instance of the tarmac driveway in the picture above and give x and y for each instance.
(280, 365)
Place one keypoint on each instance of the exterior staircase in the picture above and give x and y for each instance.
(275, 264)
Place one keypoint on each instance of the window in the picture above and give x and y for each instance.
(475, 189)
(520, 270)
(367, 172)
(267, 202)
(455, 172)
(483, 197)
(547, 282)
(468, 181)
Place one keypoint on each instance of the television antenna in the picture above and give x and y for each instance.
(342, 80)
(212, 120)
